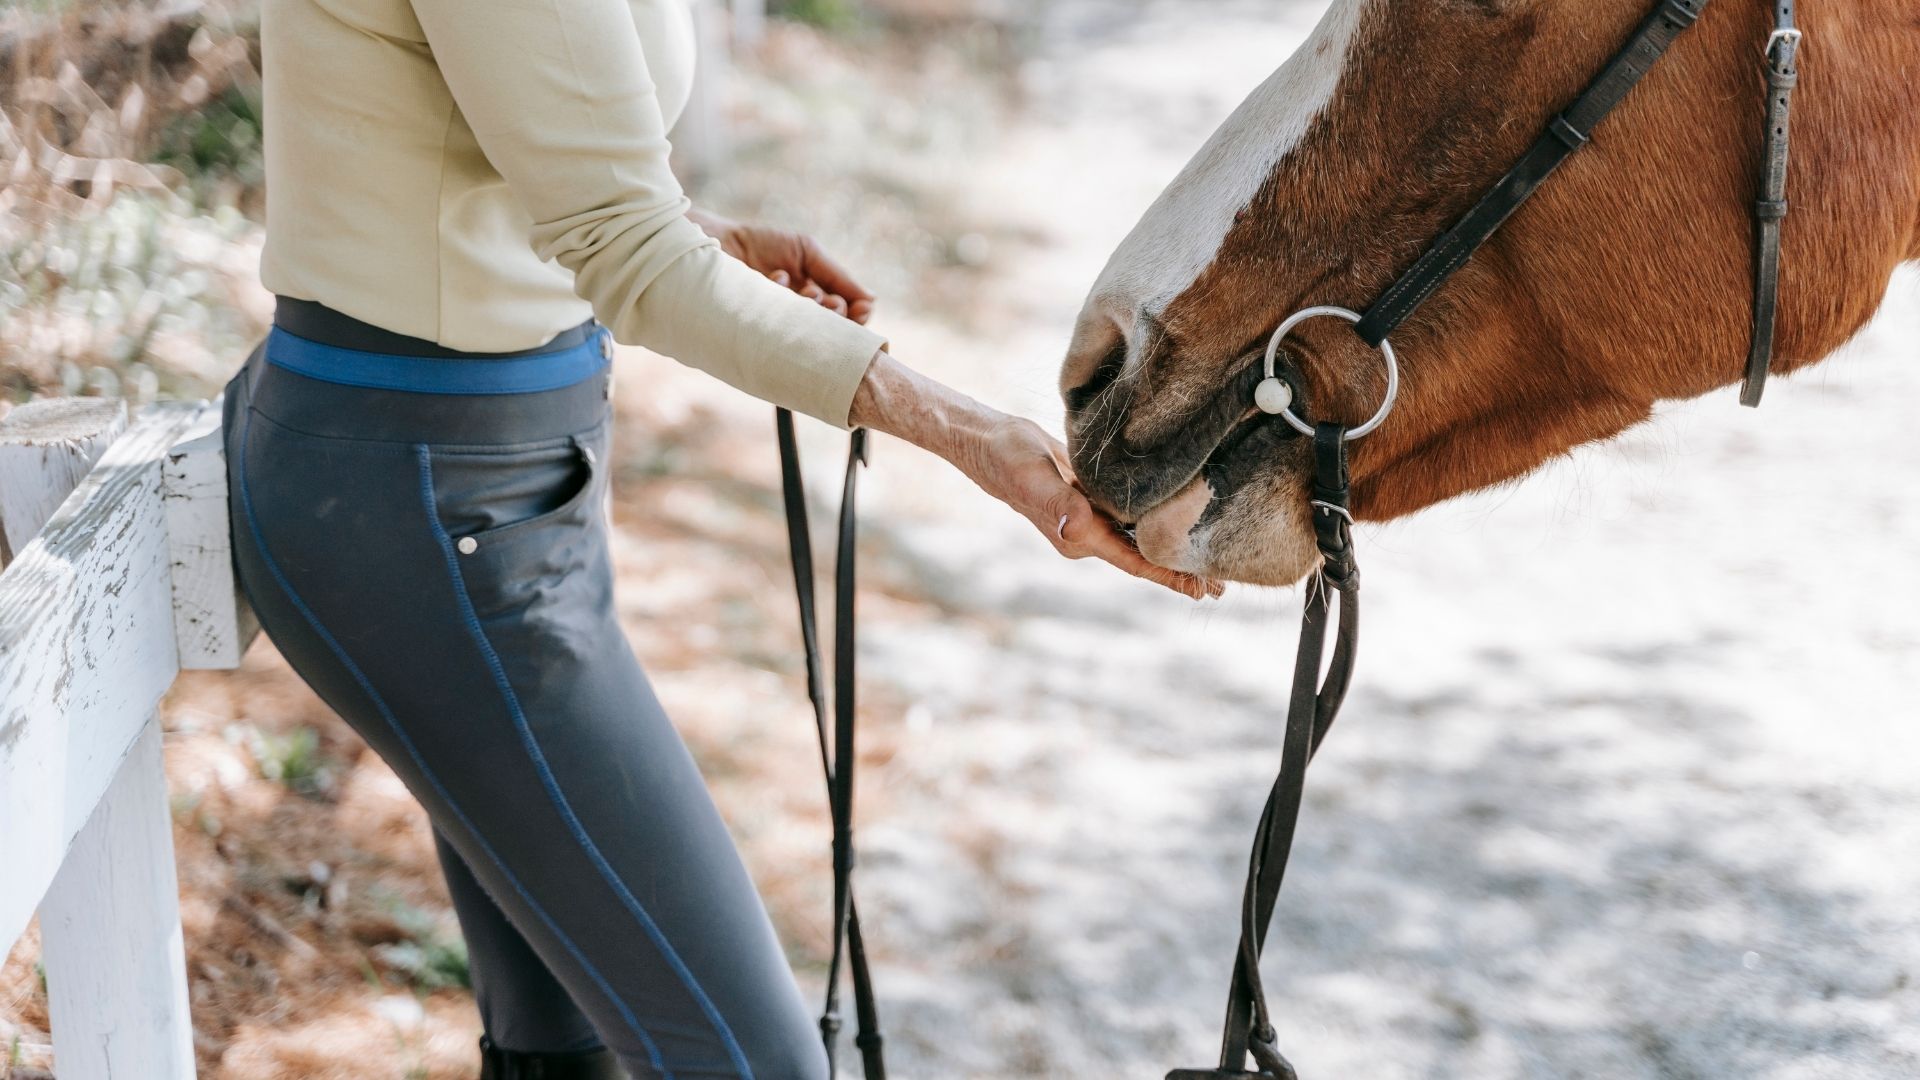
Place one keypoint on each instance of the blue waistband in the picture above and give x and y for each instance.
(430, 375)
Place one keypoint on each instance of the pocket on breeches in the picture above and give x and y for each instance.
(525, 527)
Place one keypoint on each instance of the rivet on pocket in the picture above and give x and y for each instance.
(468, 545)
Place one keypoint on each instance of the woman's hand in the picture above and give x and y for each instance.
(791, 259)
(1011, 459)
(1017, 462)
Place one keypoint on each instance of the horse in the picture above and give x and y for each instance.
(1627, 280)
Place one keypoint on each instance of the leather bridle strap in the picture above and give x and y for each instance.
(1311, 710)
(1568, 132)
(1770, 211)
(836, 747)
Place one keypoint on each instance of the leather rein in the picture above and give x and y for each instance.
(1332, 595)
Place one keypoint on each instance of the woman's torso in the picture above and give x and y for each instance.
(381, 203)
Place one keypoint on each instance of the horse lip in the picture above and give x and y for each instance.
(1129, 481)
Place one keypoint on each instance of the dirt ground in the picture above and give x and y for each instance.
(1626, 789)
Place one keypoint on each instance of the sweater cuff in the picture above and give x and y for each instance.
(710, 311)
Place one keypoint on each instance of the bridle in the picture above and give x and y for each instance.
(1314, 701)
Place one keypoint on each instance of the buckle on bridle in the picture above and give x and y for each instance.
(1787, 34)
(1332, 508)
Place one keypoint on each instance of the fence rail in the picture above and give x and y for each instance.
(121, 577)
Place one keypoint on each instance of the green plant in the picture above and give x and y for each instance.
(220, 140)
(827, 14)
(432, 957)
(293, 758)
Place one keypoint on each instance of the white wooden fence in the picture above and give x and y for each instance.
(120, 577)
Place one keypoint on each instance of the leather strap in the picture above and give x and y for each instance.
(1770, 210)
(1568, 132)
(1311, 709)
(836, 745)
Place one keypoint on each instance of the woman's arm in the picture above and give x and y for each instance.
(1012, 459)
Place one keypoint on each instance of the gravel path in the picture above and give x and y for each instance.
(1627, 788)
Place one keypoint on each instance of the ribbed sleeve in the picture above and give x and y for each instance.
(560, 100)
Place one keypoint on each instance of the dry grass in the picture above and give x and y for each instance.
(126, 262)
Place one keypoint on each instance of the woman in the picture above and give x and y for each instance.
(469, 201)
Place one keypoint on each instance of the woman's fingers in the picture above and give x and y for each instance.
(829, 274)
(1080, 532)
(818, 278)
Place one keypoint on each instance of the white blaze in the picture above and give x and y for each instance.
(1182, 232)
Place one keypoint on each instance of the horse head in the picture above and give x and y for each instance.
(1627, 280)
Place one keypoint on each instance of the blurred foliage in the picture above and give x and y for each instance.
(130, 147)
(432, 956)
(293, 758)
(136, 297)
(220, 141)
(826, 14)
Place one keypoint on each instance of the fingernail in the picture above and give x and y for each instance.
(1060, 530)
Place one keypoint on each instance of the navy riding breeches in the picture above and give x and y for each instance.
(423, 536)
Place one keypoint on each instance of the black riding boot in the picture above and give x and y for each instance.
(498, 1064)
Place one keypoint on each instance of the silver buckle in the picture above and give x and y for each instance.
(1786, 34)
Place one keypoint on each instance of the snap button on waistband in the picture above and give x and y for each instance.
(468, 545)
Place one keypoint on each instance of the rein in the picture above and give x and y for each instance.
(836, 736)
(1333, 595)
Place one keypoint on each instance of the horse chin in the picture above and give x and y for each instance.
(1258, 534)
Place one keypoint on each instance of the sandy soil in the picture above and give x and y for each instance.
(1627, 786)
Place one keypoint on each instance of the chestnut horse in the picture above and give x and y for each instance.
(1627, 280)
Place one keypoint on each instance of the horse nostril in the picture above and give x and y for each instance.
(1081, 396)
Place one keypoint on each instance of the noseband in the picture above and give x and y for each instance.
(1314, 701)
(1314, 704)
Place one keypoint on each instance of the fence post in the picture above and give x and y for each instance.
(749, 23)
(700, 138)
(110, 935)
(87, 649)
(211, 619)
(45, 448)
